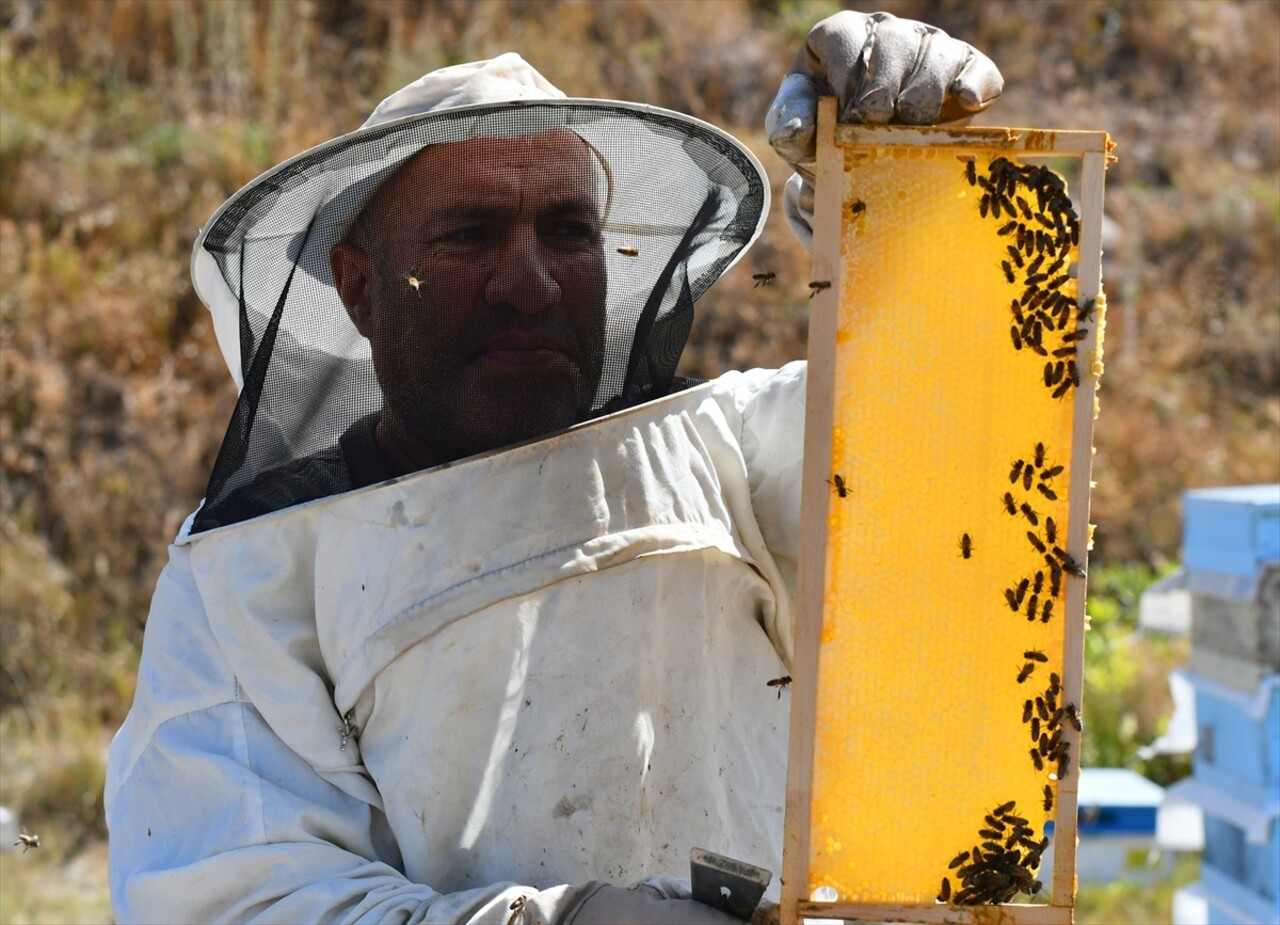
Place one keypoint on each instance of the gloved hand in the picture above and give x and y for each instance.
(882, 69)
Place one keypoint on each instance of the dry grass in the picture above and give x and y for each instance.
(113, 151)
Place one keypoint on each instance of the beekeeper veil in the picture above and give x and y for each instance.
(483, 262)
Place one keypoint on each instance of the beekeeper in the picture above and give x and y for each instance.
(477, 618)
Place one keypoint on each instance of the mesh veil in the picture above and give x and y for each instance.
(675, 203)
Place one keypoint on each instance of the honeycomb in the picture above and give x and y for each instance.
(962, 349)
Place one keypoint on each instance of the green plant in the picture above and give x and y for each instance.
(1126, 696)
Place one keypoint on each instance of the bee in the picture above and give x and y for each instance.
(1065, 351)
(984, 204)
(1064, 762)
(1055, 580)
(1012, 598)
(780, 683)
(944, 894)
(1036, 759)
(1034, 267)
(989, 833)
(629, 251)
(970, 173)
(819, 286)
(1056, 282)
(1042, 709)
(1048, 797)
(1014, 473)
(1027, 473)
(517, 909)
(1047, 613)
(1069, 564)
(1035, 541)
(1035, 655)
(1085, 311)
(1050, 528)
(1073, 373)
(958, 860)
(1026, 209)
(1043, 745)
(1049, 373)
(1035, 728)
(1022, 589)
(1008, 271)
(986, 184)
(1009, 504)
(1027, 707)
(966, 546)
(1033, 604)
(1007, 228)
(28, 841)
(1017, 338)
(1074, 716)
(858, 207)
(1046, 490)
(348, 730)
(1037, 586)
(1030, 514)
(837, 482)
(764, 279)
(1004, 808)
(1062, 388)
(1055, 683)
(1056, 265)
(1035, 279)
(415, 283)
(1025, 672)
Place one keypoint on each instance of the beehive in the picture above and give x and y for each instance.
(953, 359)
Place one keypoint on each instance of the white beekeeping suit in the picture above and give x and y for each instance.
(505, 687)
(586, 700)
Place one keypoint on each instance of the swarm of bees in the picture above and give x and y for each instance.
(1001, 866)
(1044, 717)
(1039, 253)
(1027, 474)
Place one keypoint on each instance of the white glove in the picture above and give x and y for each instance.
(881, 69)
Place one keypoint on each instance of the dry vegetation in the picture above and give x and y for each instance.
(124, 123)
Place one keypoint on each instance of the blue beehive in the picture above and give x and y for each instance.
(1232, 565)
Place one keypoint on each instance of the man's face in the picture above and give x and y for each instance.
(480, 284)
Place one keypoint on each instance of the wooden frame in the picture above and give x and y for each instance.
(1093, 148)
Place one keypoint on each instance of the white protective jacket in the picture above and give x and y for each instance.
(556, 656)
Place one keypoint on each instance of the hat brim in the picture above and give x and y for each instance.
(292, 215)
